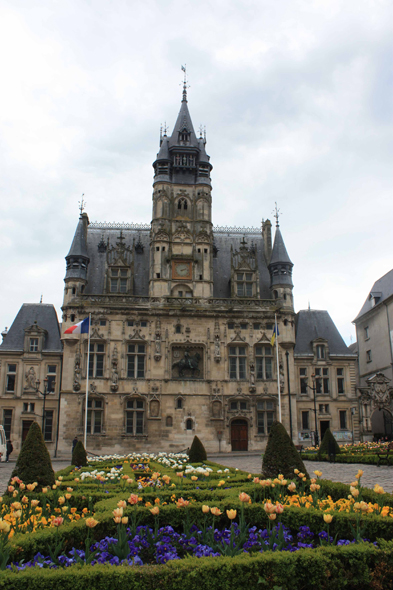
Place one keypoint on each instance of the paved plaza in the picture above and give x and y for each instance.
(252, 463)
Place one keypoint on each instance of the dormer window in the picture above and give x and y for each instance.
(119, 278)
(320, 351)
(33, 344)
(244, 284)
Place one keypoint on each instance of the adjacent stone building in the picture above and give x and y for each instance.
(30, 363)
(374, 335)
(325, 380)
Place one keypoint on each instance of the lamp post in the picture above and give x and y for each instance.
(314, 389)
(44, 393)
(289, 395)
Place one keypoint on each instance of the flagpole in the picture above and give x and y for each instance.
(87, 384)
(278, 368)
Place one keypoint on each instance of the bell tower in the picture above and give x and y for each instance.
(181, 246)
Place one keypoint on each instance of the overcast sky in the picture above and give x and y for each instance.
(296, 97)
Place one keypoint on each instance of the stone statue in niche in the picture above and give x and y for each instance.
(252, 377)
(77, 372)
(217, 353)
(154, 408)
(216, 409)
(157, 346)
(31, 379)
(115, 375)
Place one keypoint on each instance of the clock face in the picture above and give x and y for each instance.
(181, 270)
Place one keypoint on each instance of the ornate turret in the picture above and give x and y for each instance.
(182, 158)
(280, 269)
(77, 258)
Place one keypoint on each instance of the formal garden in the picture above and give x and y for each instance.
(147, 521)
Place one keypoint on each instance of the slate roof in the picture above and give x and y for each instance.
(46, 317)
(383, 288)
(79, 246)
(183, 120)
(312, 324)
(96, 273)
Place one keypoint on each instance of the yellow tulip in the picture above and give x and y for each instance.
(231, 514)
(155, 510)
(205, 509)
(91, 522)
(328, 518)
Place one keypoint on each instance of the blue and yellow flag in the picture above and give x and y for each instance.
(275, 333)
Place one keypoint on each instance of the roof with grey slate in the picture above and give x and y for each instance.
(46, 317)
(383, 287)
(312, 324)
(96, 274)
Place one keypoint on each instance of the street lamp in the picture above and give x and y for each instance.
(44, 393)
(314, 389)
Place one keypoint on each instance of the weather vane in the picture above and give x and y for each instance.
(276, 213)
(185, 82)
(82, 204)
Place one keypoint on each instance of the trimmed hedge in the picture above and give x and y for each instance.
(366, 459)
(352, 567)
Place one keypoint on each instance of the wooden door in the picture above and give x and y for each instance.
(239, 435)
(25, 428)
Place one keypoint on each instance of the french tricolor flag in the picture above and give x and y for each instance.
(79, 328)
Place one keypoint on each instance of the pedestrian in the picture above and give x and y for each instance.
(10, 448)
(74, 443)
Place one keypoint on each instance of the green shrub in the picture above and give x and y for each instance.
(197, 451)
(33, 463)
(281, 455)
(327, 440)
(79, 457)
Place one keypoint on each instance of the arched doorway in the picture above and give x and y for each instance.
(381, 424)
(239, 435)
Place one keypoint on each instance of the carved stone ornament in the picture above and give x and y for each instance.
(379, 394)
(189, 365)
(77, 372)
(31, 379)
(115, 374)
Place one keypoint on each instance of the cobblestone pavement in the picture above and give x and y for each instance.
(334, 471)
(7, 468)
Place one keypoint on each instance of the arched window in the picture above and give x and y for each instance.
(179, 403)
(189, 424)
(169, 421)
(182, 204)
(275, 294)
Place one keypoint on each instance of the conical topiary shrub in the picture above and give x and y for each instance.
(197, 451)
(281, 455)
(79, 457)
(328, 442)
(33, 463)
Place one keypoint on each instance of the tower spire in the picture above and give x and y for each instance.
(276, 213)
(185, 83)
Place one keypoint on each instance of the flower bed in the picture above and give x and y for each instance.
(191, 524)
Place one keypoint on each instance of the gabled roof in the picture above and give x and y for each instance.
(382, 288)
(45, 316)
(312, 324)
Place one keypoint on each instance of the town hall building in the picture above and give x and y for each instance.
(182, 317)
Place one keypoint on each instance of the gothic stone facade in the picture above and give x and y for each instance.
(182, 317)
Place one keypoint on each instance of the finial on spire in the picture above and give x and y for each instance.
(276, 213)
(41, 299)
(185, 83)
(165, 129)
(201, 131)
(309, 306)
(82, 204)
